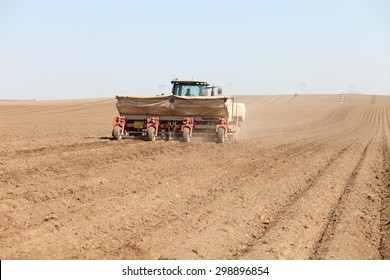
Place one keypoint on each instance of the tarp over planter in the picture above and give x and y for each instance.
(171, 105)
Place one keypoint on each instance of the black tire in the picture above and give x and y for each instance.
(151, 136)
(186, 134)
(221, 135)
(116, 133)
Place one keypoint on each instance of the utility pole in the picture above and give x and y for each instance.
(342, 98)
(351, 90)
(303, 88)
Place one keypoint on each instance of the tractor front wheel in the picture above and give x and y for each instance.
(117, 133)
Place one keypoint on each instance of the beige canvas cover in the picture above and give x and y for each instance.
(171, 105)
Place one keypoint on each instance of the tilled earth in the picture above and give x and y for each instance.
(308, 179)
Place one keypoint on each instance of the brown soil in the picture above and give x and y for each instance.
(309, 179)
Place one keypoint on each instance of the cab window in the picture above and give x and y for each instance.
(188, 90)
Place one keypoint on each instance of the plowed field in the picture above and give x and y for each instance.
(308, 179)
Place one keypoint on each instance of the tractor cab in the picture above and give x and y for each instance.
(193, 88)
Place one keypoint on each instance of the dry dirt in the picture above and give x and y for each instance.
(309, 179)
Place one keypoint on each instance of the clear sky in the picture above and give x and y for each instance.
(82, 49)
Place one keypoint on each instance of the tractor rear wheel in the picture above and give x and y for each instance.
(151, 136)
(221, 135)
(186, 134)
(117, 133)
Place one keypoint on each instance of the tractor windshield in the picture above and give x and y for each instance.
(190, 90)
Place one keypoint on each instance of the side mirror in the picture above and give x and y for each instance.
(219, 91)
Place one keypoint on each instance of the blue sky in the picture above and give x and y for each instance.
(82, 49)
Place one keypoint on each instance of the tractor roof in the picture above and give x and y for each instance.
(177, 82)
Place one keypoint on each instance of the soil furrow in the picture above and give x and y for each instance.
(384, 247)
(298, 229)
(233, 234)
